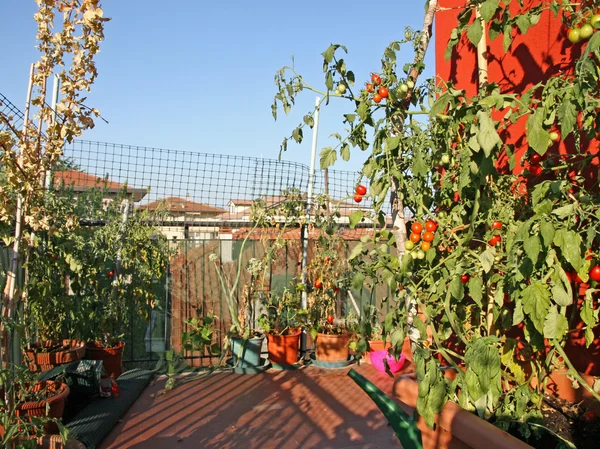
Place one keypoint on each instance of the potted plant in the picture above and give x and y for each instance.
(282, 322)
(35, 407)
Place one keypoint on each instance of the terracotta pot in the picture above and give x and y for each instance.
(332, 348)
(112, 358)
(58, 393)
(42, 357)
(455, 427)
(283, 349)
(560, 385)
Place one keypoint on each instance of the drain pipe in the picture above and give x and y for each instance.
(305, 236)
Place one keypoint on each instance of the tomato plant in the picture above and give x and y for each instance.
(481, 287)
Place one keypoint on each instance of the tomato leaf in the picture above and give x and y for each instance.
(476, 289)
(537, 136)
(488, 9)
(440, 105)
(487, 137)
(536, 302)
(457, 289)
(487, 259)
(507, 37)
(570, 244)
(355, 218)
(567, 114)
(532, 248)
(345, 152)
(547, 231)
(523, 22)
(475, 32)
(328, 157)
(555, 325)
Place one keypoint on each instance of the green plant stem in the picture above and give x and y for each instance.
(573, 371)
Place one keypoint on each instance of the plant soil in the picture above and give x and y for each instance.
(572, 422)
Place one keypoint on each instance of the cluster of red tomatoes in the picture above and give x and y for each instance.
(380, 92)
(496, 238)
(585, 30)
(359, 192)
(419, 233)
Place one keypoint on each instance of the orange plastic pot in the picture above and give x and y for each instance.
(54, 403)
(42, 356)
(112, 358)
(332, 348)
(283, 349)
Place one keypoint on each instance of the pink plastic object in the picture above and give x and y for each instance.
(377, 358)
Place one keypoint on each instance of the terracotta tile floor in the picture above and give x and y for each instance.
(308, 408)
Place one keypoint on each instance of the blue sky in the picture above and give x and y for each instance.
(198, 76)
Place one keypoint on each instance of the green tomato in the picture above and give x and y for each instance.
(414, 254)
(586, 31)
(574, 35)
(445, 159)
(595, 21)
(403, 88)
(337, 92)
(342, 88)
(421, 254)
(408, 245)
(410, 84)
(554, 136)
(442, 214)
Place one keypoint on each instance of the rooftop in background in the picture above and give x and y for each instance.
(81, 182)
(180, 205)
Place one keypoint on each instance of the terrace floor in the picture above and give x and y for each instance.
(307, 408)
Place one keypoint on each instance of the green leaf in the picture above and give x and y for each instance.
(476, 289)
(457, 289)
(328, 54)
(328, 157)
(564, 211)
(363, 110)
(475, 32)
(345, 152)
(537, 136)
(532, 248)
(488, 9)
(555, 325)
(523, 22)
(487, 259)
(358, 248)
(358, 281)
(518, 315)
(440, 105)
(536, 302)
(487, 136)
(567, 115)
(547, 231)
(570, 244)
(355, 218)
(507, 37)
(329, 81)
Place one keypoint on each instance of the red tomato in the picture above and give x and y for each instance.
(357, 198)
(383, 91)
(375, 79)
(318, 284)
(595, 273)
(330, 319)
(415, 237)
(495, 240)
(430, 226)
(535, 158)
(497, 225)
(369, 87)
(428, 236)
(110, 274)
(361, 190)
(569, 277)
(377, 98)
(416, 227)
(464, 278)
(535, 169)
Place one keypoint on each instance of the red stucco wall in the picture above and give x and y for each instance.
(542, 53)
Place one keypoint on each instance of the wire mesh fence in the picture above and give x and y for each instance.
(205, 202)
